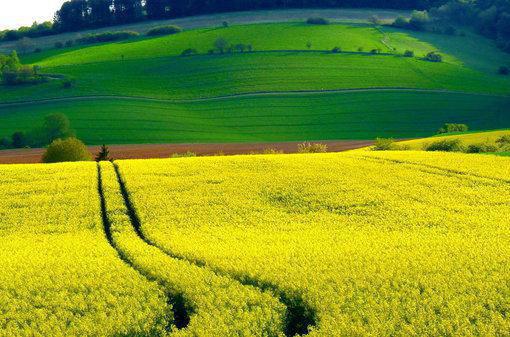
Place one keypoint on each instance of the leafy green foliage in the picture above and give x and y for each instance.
(453, 127)
(446, 145)
(164, 30)
(66, 150)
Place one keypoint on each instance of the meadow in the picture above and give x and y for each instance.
(145, 81)
(367, 243)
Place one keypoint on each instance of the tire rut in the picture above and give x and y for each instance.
(300, 317)
(180, 315)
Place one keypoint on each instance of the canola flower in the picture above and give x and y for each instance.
(58, 274)
(216, 305)
(377, 244)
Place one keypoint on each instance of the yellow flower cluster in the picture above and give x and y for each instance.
(216, 305)
(376, 244)
(58, 274)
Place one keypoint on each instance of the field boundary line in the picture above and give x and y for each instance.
(300, 318)
(248, 95)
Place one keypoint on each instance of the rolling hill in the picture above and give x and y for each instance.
(143, 91)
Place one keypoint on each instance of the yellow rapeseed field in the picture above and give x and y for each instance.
(58, 274)
(374, 244)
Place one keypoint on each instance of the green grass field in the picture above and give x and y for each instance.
(349, 115)
(152, 68)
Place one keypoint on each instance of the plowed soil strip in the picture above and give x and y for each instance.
(146, 151)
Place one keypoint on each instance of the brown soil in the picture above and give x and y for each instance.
(145, 151)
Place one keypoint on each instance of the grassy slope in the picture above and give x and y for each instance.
(151, 68)
(466, 138)
(271, 118)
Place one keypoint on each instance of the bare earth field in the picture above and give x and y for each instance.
(145, 151)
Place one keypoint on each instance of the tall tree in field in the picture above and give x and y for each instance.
(101, 13)
(128, 11)
(73, 15)
(158, 9)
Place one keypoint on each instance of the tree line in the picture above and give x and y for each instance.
(490, 17)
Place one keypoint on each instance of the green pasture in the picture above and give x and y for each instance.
(350, 115)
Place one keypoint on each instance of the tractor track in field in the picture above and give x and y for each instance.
(427, 167)
(179, 314)
(300, 318)
(245, 95)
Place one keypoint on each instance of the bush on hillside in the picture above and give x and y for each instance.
(384, 144)
(452, 127)
(312, 148)
(5, 143)
(419, 19)
(67, 150)
(107, 37)
(164, 30)
(19, 140)
(104, 154)
(189, 52)
(409, 53)
(481, 148)
(503, 140)
(317, 21)
(434, 57)
(336, 50)
(221, 45)
(446, 145)
(240, 47)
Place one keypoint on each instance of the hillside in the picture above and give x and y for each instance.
(142, 91)
(352, 250)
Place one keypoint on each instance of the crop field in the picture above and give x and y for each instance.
(59, 275)
(145, 82)
(489, 137)
(347, 115)
(366, 243)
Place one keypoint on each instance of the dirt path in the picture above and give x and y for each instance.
(145, 151)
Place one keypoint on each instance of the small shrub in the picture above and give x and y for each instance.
(309, 45)
(189, 52)
(221, 44)
(249, 47)
(186, 154)
(225, 24)
(19, 140)
(504, 143)
(272, 151)
(481, 148)
(104, 154)
(317, 21)
(67, 84)
(446, 145)
(210, 52)
(384, 144)
(164, 30)
(59, 45)
(312, 148)
(409, 53)
(107, 37)
(375, 51)
(240, 47)
(503, 70)
(434, 57)
(5, 143)
(452, 127)
(336, 50)
(360, 49)
(67, 150)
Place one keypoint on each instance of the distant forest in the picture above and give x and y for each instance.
(490, 17)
